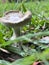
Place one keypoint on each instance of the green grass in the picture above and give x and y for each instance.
(40, 14)
(36, 7)
(40, 18)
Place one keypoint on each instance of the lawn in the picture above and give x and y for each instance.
(33, 44)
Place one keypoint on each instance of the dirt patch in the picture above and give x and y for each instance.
(9, 57)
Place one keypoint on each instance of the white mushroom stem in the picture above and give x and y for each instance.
(16, 33)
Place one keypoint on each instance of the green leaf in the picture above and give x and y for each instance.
(3, 62)
(24, 61)
(26, 37)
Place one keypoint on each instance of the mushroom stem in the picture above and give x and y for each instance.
(16, 33)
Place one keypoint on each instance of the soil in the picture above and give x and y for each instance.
(9, 56)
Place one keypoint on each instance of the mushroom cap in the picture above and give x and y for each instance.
(16, 18)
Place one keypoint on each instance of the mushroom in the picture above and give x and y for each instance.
(16, 20)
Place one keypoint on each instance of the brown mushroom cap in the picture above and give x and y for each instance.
(16, 18)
